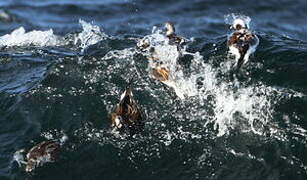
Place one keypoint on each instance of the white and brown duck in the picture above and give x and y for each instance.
(159, 70)
(163, 55)
(242, 42)
(40, 154)
(127, 118)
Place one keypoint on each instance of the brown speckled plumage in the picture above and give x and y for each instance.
(46, 151)
(160, 73)
(128, 113)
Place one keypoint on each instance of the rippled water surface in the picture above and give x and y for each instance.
(64, 63)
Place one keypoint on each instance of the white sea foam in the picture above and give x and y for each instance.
(91, 34)
(120, 54)
(19, 37)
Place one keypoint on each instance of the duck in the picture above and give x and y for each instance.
(144, 45)
(127, 117)
(158, 69)
(170, 33)
(40, 154)
(160, 62)
(242, 42)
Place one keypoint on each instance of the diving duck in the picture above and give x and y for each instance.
(44, 152)
(242, 42)
(127, 118)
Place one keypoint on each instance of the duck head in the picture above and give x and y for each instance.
(239, 24)
(169, 29)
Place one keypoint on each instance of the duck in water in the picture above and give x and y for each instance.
(159, 70)
(40, 154)
(170, 33)
(242, 42)
(127, 118)
(163, 50)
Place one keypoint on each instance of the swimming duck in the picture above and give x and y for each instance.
(127, 115)
(242, 42)
(44, 152)
(169, 32)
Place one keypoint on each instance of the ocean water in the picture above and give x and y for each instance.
(64, 64)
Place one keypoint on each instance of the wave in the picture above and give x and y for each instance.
(90, 34)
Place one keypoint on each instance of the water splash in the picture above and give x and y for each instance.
(91, 34)
(234, 105)
(55, 134)
(168, 55)
(241, 109)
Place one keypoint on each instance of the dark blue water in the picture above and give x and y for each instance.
(64, 63)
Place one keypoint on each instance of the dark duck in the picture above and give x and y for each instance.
(242, 42)
(127, 118)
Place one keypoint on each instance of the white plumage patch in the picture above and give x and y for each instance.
(123, 96)
(235, 51)
(118, 122)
